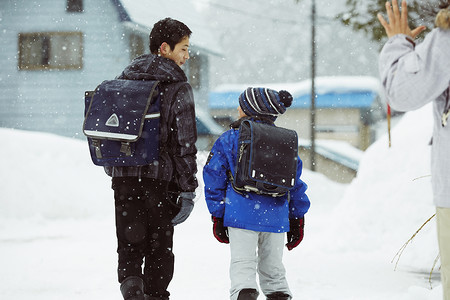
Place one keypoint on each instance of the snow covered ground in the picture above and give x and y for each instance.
(57, 234)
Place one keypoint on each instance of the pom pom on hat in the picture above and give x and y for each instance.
(286, 98)
(264, 102)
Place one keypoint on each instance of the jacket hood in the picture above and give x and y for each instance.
(154, 67)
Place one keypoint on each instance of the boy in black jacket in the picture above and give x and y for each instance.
(145, 210)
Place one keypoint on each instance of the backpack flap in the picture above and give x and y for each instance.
(118, 113)
(117, 109)
(267, 158)
(274, 152)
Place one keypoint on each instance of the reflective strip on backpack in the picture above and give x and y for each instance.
(152, 116)
(111, 135)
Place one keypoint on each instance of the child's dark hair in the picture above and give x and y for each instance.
(167, 30)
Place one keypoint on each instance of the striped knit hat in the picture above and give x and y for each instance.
(264, 102)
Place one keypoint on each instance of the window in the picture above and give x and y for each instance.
(136, 46)
(74, 6)
(50, 50)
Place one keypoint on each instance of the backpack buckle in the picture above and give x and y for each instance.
(125, 148)
(97, 145)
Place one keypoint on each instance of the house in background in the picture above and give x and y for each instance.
(347, 112)
(54, 50)
(346, 107)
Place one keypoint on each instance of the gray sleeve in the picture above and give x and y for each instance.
(413, 76)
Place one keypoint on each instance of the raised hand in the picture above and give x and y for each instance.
(398, 21)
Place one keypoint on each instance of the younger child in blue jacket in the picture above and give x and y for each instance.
(254, 224)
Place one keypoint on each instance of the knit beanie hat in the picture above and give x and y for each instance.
(264, 102)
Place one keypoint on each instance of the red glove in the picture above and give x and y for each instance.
(295, 234)
(220, 232)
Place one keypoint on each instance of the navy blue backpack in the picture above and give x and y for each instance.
(122, 122)
(267, 159)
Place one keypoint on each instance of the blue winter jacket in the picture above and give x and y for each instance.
(250, 211)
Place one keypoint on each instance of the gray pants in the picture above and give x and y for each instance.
(257, 252)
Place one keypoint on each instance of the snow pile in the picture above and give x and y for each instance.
(391, 196)
(49, 176)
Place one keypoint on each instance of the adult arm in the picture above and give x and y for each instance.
(412, 76)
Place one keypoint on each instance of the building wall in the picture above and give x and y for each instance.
(53, 100)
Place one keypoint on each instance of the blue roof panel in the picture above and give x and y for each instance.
(364, 99)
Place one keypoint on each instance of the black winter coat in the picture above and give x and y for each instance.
(178, 133)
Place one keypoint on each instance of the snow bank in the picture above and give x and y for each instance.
(49, 176)
(391, 196)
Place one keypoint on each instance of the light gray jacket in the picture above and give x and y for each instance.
(414, 76)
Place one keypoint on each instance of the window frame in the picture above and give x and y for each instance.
(25, 65)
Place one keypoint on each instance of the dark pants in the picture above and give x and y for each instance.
(144, 212)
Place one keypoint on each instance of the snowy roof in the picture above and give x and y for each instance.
(145, 13)
(332, 91)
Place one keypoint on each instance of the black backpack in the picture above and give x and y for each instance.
(122, 122)
(267, 159)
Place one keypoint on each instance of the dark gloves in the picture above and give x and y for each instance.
(295, 234)
(220, 232)
(185, 200)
